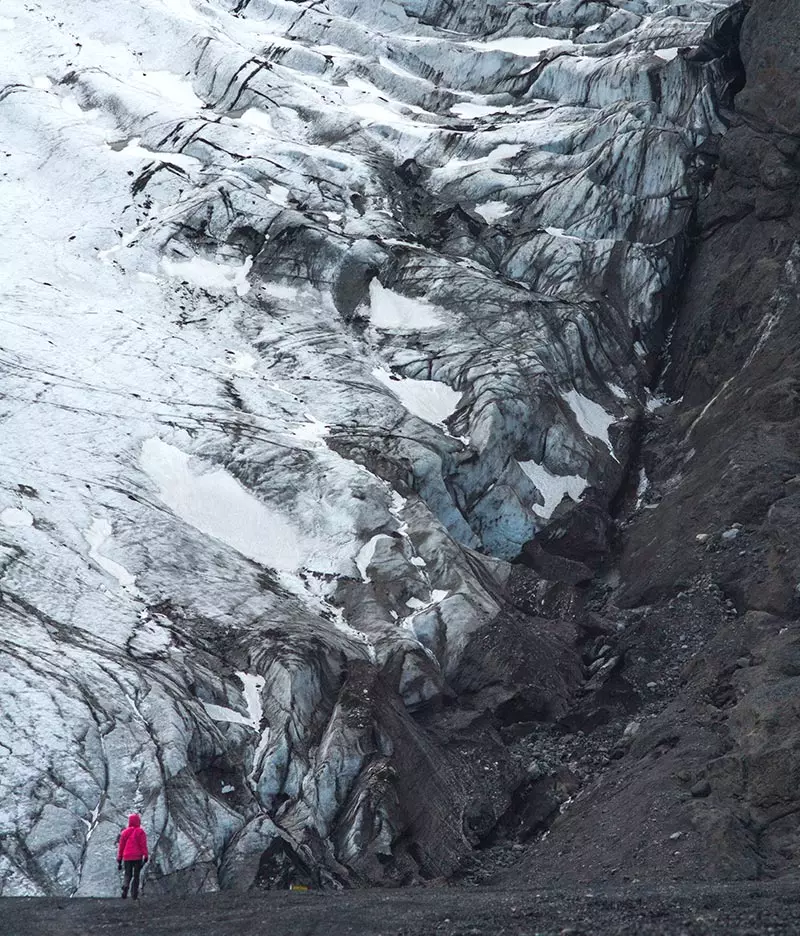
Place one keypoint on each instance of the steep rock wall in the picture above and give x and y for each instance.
(705, 785)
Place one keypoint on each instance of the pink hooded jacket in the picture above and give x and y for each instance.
(133, 841)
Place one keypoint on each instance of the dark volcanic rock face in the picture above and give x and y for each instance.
(709, 573)
(728, 450)
(322, 316)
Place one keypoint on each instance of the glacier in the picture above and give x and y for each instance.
(314, 316)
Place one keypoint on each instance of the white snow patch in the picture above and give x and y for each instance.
(552, 487)
(281, 291)
(7, 23)
(210, 275)
(656, 402)
(214, 503)
(389, 310)
(396, 69)
(312, 431)
(151, 638)
(255, 117)
(252, 687)
(437, 596)
(134, 707)
(454, 169)
(223, 714)
(279, 194)
(560, 232)
(258, 755)
(618, 392)
(174, 87)
(468, 110)
(227, 788)
(430, 400)
(91, 824)
(591, 417)
(134, 150)
(710, 403)
(499, 154)
(531, 46)
(641, 487)
(371, 105)
(666, 54)
(492, 211)
(16, 517)
(398, 506)
(375, 112)
(96, 536)
(418, 561)
(240, 361)
(365, 555)
(288, 393)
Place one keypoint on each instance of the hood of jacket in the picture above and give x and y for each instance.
(134, 821)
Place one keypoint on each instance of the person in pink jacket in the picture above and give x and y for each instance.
(132, 850)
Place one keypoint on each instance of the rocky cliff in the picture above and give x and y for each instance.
(341, 533)
(709, 580)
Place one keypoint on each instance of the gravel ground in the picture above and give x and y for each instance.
(731, 910)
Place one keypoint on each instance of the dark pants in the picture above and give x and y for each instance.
(132, 870)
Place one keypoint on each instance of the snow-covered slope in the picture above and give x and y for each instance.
(312, 314)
